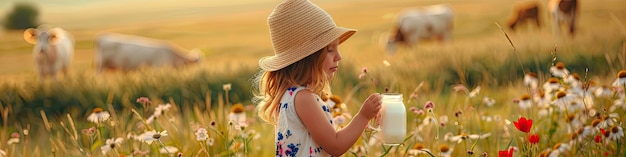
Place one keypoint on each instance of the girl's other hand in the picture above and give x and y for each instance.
(371, 106)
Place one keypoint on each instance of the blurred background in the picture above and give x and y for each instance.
(233, 35)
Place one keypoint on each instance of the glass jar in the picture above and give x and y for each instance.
(393, 119)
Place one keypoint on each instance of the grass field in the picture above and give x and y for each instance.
(233, 35)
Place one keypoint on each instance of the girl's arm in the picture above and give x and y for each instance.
(334, 142)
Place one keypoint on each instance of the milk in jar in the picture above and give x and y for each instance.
(393, 122)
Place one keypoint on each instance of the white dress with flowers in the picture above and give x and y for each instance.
(292, 137)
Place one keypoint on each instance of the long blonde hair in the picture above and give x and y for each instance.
(269, 86)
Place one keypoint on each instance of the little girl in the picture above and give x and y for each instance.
(293, 84)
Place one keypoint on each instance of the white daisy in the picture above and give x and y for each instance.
(161, 109)
(559, 70)
(237, 114)
(99, 116)
(110, 145)
(525, 102)
(445, 150)
(616, 133)
(201, 134)
(227, 87)
(551, 85)
(603, 92)
(152, 136)
(620, 82)
(531, 80)
(489, 101)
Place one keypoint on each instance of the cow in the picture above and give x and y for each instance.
(525, 12)
(128, 52)
(563, 12)
(52, 51)
(413, 25)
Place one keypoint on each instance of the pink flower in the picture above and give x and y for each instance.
(429, 105)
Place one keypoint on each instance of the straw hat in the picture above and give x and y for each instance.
(299, 28)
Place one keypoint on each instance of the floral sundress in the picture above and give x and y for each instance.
(292, 137)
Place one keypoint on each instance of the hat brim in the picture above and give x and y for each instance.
(279, 61)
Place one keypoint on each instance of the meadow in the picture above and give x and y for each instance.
(476, 82)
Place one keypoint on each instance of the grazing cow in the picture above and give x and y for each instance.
(525, 12)
(127, 52)
(53, 50)
(563, 12)
(431, 22)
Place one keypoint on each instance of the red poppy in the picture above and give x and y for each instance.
(598, 139)
(505, 153)
(533, 138)
(524, 125)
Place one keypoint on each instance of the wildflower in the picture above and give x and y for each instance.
(465, 136)
(525, 102)
(227, 87)
(621, 79)
(531, 80)
(559, 70)
(551, 85)
(15, 138)
(144, 100)
(152, 136)
(418, 148)
(618, 103)
(445, 150)
(161, 109)
(201, 134)
(110, 145)
(573, 80)
(168, 150)
(562, 99)
(523, 125)
(533, 138)
(443, 120)
(210, 141)
(386, 63)
(489, 101)
(237, 114)
(616, 133)
(98, 116)
(561, 147)
(460, 88)
(474, 92)
(603, 92)
(429, 106)
(505, 153)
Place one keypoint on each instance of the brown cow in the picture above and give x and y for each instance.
(563, 12)
(525, 12)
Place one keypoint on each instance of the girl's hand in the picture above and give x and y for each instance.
(371, 106)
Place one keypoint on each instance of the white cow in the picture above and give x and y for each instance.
(431, 22)
(563, 12)
(53, 50)
(128, 52)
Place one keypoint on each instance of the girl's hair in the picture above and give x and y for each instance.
(269, 86)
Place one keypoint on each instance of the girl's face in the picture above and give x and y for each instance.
(331, 62)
